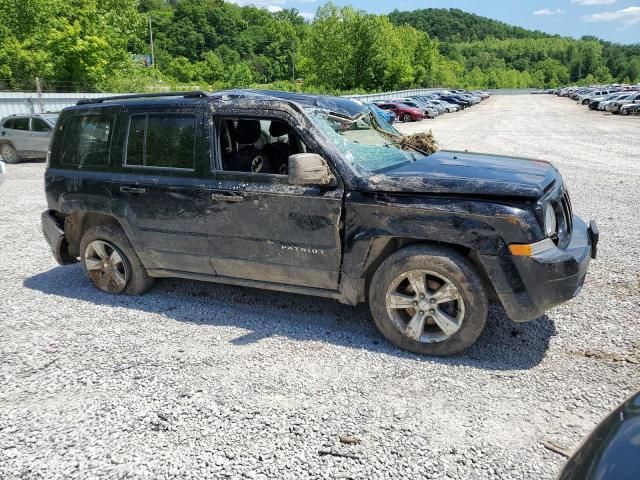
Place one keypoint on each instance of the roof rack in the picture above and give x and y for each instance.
(192, 94)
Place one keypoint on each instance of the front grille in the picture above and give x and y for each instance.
(567, 210)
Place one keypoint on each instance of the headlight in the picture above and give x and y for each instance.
(550, 221)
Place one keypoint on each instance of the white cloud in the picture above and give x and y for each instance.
(548, 12)
(275, 6)
(627, 16)
(593, 2)
(268, 4)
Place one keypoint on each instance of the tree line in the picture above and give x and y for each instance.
(100, 45)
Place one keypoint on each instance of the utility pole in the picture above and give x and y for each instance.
(153, 60)
(39, 93)
(293, 60)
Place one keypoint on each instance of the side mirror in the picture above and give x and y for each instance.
(309, 169)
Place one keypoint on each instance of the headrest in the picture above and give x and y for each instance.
(278, 129)
(247, 132)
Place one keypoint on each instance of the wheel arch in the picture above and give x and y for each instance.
(78, 222)
(382, 247)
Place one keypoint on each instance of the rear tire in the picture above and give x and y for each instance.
(407, 118)
(111, 263)
(9, 154)
(452, 296)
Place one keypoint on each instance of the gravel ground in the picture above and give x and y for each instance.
(197, 380)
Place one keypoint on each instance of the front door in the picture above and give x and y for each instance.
(261, 227)
(40, 136)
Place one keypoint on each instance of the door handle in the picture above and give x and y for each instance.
(227, 197)
(132, 190)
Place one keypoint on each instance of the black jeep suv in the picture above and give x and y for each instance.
(313, 195)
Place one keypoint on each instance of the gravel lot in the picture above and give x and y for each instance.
(197, 380)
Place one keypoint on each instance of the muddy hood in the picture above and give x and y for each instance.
(451, 172)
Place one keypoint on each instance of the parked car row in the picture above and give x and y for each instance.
(28, 136)
(419, 107)
(616, 99)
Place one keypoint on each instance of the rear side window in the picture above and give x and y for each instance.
(86, 140)
(161, 141)
(19, 124)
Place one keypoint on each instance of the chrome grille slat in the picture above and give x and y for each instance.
(567, 210)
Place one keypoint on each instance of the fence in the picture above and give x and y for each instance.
(32, 102)
(425, 91)
(513, 91)
(372, 97)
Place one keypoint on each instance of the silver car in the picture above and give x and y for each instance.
(620, 98)
(615, 106)
(26, 136)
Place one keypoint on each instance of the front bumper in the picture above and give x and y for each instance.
(528, 286)
(54, 233)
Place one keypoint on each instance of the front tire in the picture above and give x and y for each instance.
(407, 118)
(428, 300)
(9, 154)
(111, 263)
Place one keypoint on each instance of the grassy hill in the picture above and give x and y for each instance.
(213, 44)
(454, 25)
(495, 53)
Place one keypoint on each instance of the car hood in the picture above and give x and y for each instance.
(452, 172)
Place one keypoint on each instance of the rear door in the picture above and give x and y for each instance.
(260, 226)
(161, 189)
(16, 130)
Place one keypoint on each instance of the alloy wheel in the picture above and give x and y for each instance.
(106, 266)
(9, 154)
(425, 306)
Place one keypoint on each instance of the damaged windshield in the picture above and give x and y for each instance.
(366, 141)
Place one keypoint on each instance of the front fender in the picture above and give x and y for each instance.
(484, 227)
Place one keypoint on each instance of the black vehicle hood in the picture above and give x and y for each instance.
(451, 172)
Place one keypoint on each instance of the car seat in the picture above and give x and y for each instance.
(245, 157)
(279, 152)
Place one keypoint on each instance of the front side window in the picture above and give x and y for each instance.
(257, 145)
(161, 141)
(86, 139)
(365, 141)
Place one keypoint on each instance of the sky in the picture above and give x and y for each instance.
(613, 20)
